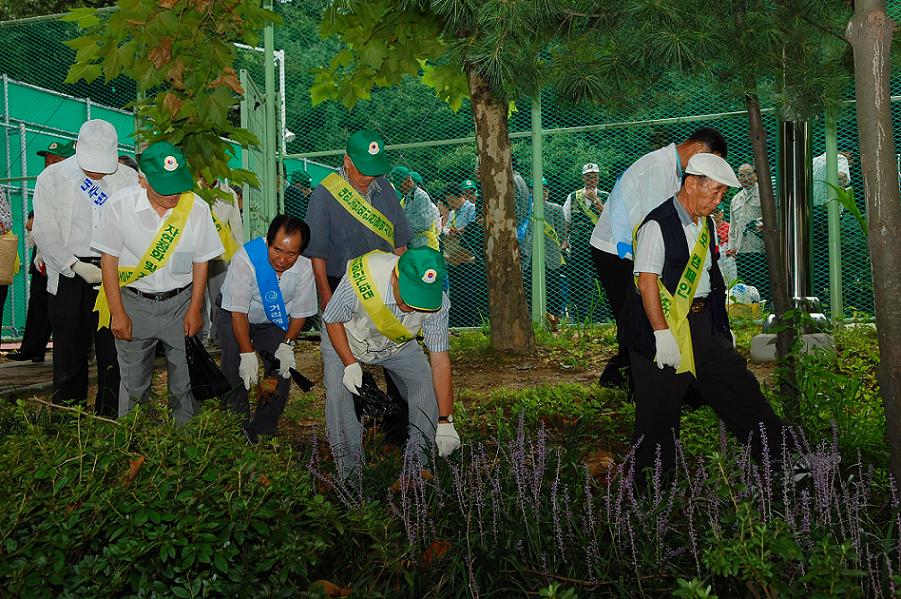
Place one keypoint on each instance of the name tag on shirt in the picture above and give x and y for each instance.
(93, 192)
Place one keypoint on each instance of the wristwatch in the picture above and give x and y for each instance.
(448, 419)
(289, 342)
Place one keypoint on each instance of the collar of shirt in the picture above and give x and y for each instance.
(143, 204)
(684, 217)
(370, 191)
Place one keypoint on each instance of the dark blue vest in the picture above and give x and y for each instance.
(634, 329)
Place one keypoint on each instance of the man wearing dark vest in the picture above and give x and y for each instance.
(676, 328)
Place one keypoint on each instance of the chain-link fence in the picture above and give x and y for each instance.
(438, 144)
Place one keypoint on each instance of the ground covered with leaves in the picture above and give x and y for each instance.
(540, 500)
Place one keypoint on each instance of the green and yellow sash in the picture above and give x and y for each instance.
(156, 256)
(580, 195)
(360, 276)
(551, 233)
(359, 208)
(676, 307)
(225, 236)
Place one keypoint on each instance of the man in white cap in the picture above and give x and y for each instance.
(69, 199)
(676, 328)
(580, 212)
(648, 182)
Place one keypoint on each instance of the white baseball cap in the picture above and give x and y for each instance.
(712, 167)
(97, 149)
(590, 168)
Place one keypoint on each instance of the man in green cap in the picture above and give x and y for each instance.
(422, 214)
(354, 211)
(297, 196)
(155, 241)
(57, 151)
(373, 318)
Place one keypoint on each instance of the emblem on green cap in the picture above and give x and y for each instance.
(170, 163)
(374, 148)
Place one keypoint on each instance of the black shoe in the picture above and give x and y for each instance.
(20, 357)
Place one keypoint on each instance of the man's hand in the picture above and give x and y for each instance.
(286, 360)
(120, 326)
(193, 322)
(353, 377)
(325, 296)
(249, 369)
(667, 349)
(446, 439)
(87, 271)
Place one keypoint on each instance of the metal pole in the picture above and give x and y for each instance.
(23, 250)
(539, 297)
(794, 156)
(270, 147)
(280, 55)
(7, 125)
(835, 241)
(87, 109)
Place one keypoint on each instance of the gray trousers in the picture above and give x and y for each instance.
(216, 271)
(411, 373)
(264, 336)
(153, 321)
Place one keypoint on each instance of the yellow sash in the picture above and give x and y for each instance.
(156, 256)
(676, 307)
(226, 237)
(551, 232)
(359, 208)
(385, 321)
(580, 195)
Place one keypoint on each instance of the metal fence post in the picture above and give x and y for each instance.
(539, 298)
(835, 241)
(87, 109)
(23, 249)
(271, 151)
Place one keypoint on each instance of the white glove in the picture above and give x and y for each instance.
(87, 271)
(667, 349)
(285, 356)
(249, 369)
(353, 377)
(446, 439)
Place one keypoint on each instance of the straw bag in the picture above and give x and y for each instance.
(9, 257)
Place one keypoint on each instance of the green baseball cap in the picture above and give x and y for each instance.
(366, 150)
(398, 175)
(417, 178)
(59, 148)
(301, 176)
(420, 274)
(468, 184)
(166, 169)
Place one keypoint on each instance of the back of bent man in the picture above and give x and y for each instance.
(267, 296)
(164, 235)
(373, 318)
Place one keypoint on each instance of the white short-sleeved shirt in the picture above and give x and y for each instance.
(650, 253)
(240, 292)
(130, 224)
(650, 181)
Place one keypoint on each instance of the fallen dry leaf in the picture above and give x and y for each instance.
(332, 590)
(133, 468)
(599, 463)
(435, 551)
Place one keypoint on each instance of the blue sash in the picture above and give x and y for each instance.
(267, 281)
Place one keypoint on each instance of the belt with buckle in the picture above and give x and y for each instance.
(95, 260)
(698, 305)
(157, 297)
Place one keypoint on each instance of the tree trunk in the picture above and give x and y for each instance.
(511, 326)
(773, 245)
(870, 35)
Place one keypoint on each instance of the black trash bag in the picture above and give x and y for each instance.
(207, 380)
(303, 382)
(387, 411)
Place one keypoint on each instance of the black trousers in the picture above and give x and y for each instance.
(74, 324)
(616, 276)
(37, 321)
(4, 291)
(266, 337)
(724, 382)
